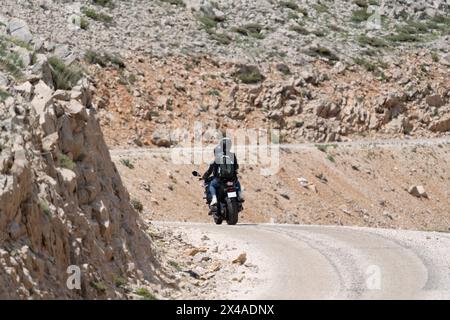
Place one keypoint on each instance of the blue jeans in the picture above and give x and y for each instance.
(215, 184)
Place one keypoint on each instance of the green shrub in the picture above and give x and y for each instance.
(252, 29)
(145, 294)
(361, 3)
(4, 95)
(249, 75)
(119, 282)
(84, 24)
(403, 37)
(43, 204)
(290, 5)
(103, 59)
(137, 205)
(360, 15)
(369, 66)
(221, 38)
(175, 265)
(324, 147)
(372, 41)
(64, 77)
(435, 57)
(99, 286)
(94, 15)
(66, 162)
(208, 22)
(213, 92)
(127, 163)
(104, 3)
(323, 52)
(10, 62)
(318, 33)
(320, 7)
(299, 29)
(175, 2)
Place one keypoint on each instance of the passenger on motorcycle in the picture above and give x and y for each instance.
(224, 166)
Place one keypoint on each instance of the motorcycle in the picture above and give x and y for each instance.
(228, 205)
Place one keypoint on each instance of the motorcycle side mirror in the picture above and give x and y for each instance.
(195, 173)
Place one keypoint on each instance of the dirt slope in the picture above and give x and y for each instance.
(362, 184)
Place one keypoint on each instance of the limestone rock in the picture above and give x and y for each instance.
(418, 191)
(19, 30)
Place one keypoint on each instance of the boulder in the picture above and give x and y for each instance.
(25, 89)
(161, 139)
(435, 100)
(19, 30)
(41, 69)
(441, 125)
(241, 259)
(68, 178)
(3, 80)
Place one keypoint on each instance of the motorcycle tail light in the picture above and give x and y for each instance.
(230, 183)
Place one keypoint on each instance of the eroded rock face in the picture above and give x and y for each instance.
(62, 202)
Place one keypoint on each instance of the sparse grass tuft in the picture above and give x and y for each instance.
(84, 24)
(64, 76)
(372, 41)
(4, 95)
(137, 205)
(290, 5)
(299, 29)
(43, 204)
(104, 3)
(323, 52)
(175, 265)
(221, 38)
(66, 162)
(99, 286)
(249, 75)
(103, 59)
(435, 57)
(321, 8)
(127, 163)
(361, 3)
(119, 282)
(324, 147)
(360, 15)
(94, 15)
(145, 294)
(207, 22)
(250, 30)
(369, 66)
(214, 92)
(179, 3)
(10, 62)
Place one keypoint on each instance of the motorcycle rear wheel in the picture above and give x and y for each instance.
(233, 211)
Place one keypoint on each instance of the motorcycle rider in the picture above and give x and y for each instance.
(222, 156)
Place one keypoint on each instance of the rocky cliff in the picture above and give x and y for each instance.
(62, 202)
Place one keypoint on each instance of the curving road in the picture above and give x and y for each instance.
(321, 262)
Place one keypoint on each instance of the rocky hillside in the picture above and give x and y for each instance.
(62, 202)
(317, 70)
(246, 31)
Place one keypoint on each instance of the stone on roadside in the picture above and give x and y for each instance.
(418, 191)
(241, 259)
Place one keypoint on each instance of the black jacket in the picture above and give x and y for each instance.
(214, 166)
